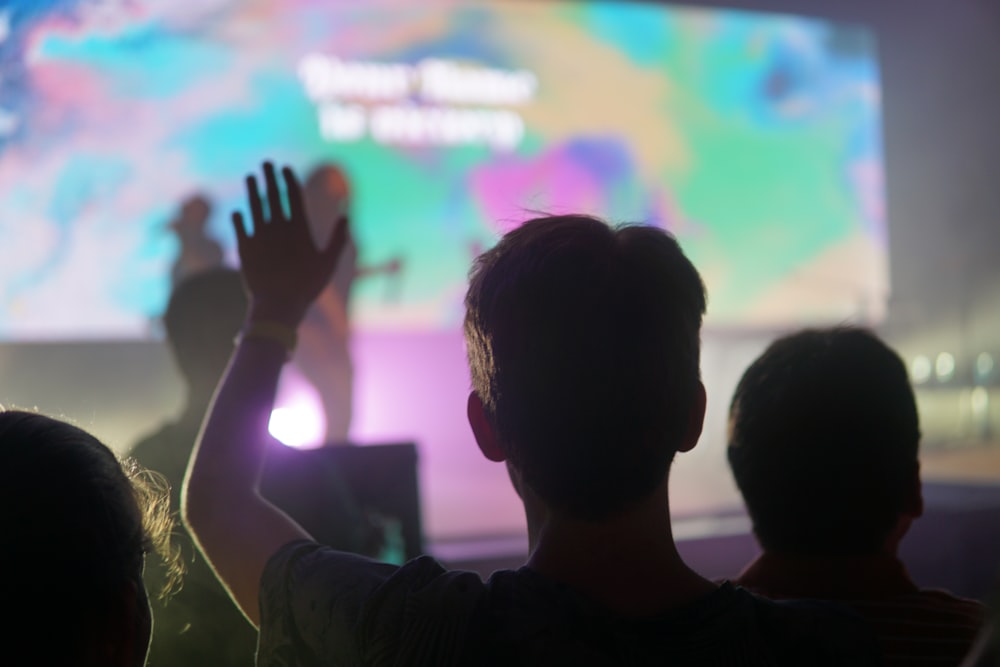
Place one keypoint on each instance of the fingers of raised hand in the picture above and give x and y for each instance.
(275, 212)
(239, 226)
(273, 193)
(296, 204)
(256, 206)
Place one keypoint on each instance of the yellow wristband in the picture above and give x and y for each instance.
(272, 331)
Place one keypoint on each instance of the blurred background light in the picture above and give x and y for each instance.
(298, 419)
(920, 369)
(980, 400)
(944, 367)
(298, 426)
(984, 366)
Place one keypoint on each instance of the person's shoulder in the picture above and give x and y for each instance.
(816, 632)
(945, 602)
(307, 569)
(343, 605)
(924, 608)
(925, 614)
(308, 563)
(427, 585)
(529, 619)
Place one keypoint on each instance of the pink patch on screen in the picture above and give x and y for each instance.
(516, 188)
(67, 91)
(868, 180)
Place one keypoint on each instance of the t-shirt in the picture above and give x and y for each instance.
(324, 607)
(929, 627)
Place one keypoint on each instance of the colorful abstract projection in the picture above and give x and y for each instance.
(754, 138)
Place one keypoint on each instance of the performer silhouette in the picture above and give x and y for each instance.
(323, 354)
(199, 252)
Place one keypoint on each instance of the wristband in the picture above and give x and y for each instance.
(272, 331)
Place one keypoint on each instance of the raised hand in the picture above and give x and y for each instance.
(283, 269)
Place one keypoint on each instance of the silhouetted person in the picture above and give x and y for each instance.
(198, 251)
(200, 625)
(584, 349)
(76, 529)
(823, 444)
(323, 353)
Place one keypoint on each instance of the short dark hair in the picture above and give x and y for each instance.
(823, 442)
(205, 312)
(76, 527)
(583, 343)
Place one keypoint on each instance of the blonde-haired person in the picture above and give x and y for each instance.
(77, 525)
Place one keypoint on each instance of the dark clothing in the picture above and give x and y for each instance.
(200, 625)
(323, 607)
(928, 627)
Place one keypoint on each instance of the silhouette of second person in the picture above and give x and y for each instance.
(823, 444)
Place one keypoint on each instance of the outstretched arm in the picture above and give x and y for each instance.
(234, 526)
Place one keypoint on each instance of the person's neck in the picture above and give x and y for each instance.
(890, 546)
(628, 562)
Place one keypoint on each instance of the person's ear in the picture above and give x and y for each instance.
(696, 420)
(482, 430)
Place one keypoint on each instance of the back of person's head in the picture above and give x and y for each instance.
(327, 194)
(823, 443)
(76, 529)
(329, 178)
(191, 217)
(197, 207)
(203, 316)
(583, 343)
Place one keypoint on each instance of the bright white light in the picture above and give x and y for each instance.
(984, 365)
(920, 369)
(944, 367)
(299, 425)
